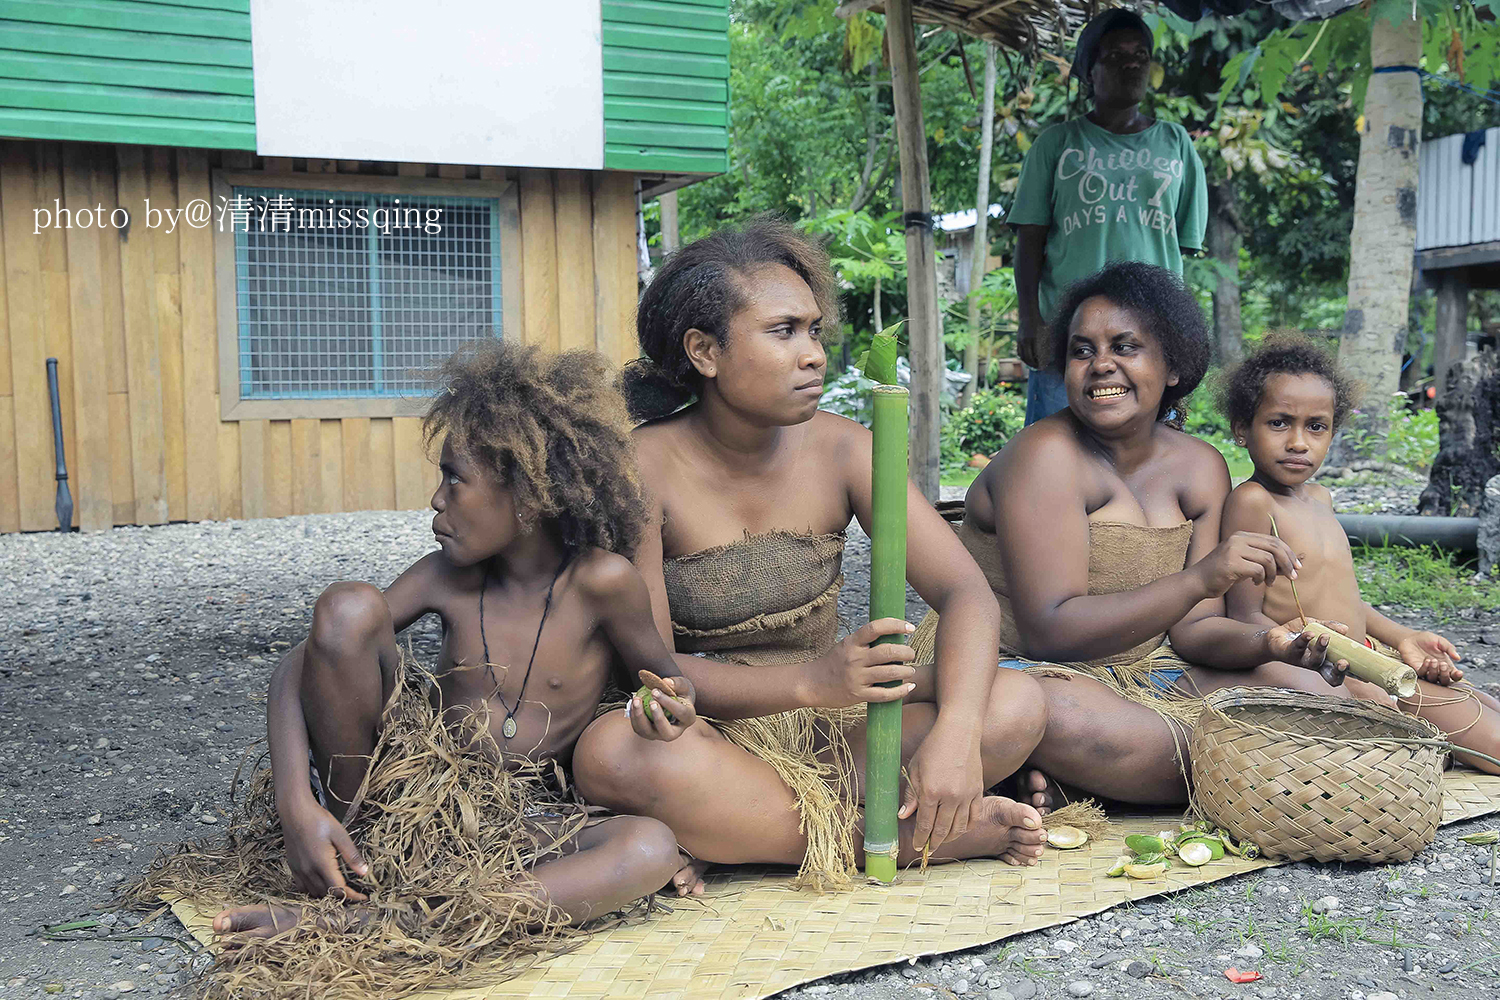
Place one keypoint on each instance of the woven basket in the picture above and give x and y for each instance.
(1308, 776)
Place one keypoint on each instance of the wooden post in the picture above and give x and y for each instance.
(923, 322)
(670, 240)
(1452, 321)
(980, 250)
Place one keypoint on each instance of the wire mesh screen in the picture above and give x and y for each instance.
(344, 293)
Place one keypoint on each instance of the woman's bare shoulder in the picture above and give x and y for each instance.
(1046, 442)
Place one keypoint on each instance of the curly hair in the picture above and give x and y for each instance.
(553, 429)
(1162, 304)
(701, 286)
(1284, 352)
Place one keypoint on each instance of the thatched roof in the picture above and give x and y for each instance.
(1029, 26)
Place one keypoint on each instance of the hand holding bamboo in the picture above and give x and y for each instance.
(1391, 675)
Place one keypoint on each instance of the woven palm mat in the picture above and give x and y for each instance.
(752, 935)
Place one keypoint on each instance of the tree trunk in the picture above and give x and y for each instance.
(924, 325)
(980, 251)
(1223, 239)
(1452, 325)
(1467, 414)
(1385, 227)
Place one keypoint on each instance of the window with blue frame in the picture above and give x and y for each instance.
(343, 294)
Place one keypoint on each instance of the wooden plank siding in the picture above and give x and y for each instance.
(133, 315)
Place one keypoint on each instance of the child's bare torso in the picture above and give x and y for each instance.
(1326, 581)
(568, 677)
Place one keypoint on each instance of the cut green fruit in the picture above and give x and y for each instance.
(646, 701)
(1118, 868)
(1142, 843)
(1214, 844)
(1195, 854)
(1146, 871)
(1066, 838)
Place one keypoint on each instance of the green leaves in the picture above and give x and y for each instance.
(879, 362)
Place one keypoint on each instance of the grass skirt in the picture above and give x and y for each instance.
(450, 835)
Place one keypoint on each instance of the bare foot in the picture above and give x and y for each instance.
(258, 921)
(689, 878)
(998, 828)
(1041, 791)
(247, 923)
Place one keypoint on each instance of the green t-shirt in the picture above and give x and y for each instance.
(1108, 197)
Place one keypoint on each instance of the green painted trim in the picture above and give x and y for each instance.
(113, 44)
(233, 6)
(696, 137)
(669, 88)
(24, 124)
(671, 15)
(87, 97)
(677, 41)
(128, 15)
(646, 109)
(672, 161)
(125, 73)
(666, 89)
(638, 61)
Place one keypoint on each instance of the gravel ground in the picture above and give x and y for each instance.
(133, 666)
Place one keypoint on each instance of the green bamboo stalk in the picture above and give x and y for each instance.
(887, 600)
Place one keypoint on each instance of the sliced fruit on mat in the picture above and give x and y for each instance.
(1118, 868)
(1214, 844)
(1195, 854)
(1144, 843)
(1146, 871)
(1066, 838)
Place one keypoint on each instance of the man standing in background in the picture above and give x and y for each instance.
(1115, 184)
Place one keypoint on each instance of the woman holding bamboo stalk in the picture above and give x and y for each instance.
(1098, 528)
(752, 488)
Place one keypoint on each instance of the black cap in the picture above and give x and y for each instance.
(1093, 33)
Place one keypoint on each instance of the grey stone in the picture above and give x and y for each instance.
(1108, 959)
(1024, 990)
(1489, 526)
(1325, 904)
(961, 986)
(1001, 995)
(1408, 963)
(1138, 969)
(1383, 995)
(1080, 988)
(1249, 951)
(911, 971)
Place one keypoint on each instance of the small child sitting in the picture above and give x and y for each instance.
(1284, 403)
(537, 513)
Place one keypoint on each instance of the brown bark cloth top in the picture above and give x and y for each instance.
(1121, 557)
(771, 599)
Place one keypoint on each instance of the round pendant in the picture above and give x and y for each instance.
(509, 726)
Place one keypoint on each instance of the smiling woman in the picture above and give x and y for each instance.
(751, 488)
(1098, 529)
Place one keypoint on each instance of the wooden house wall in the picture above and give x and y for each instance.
(131, 316)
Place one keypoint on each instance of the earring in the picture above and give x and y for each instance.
(710, 373)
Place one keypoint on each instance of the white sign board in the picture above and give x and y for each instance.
(491, 82)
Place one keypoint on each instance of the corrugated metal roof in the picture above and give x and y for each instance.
(666, 85)
(136, 71)
(1458, 204)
